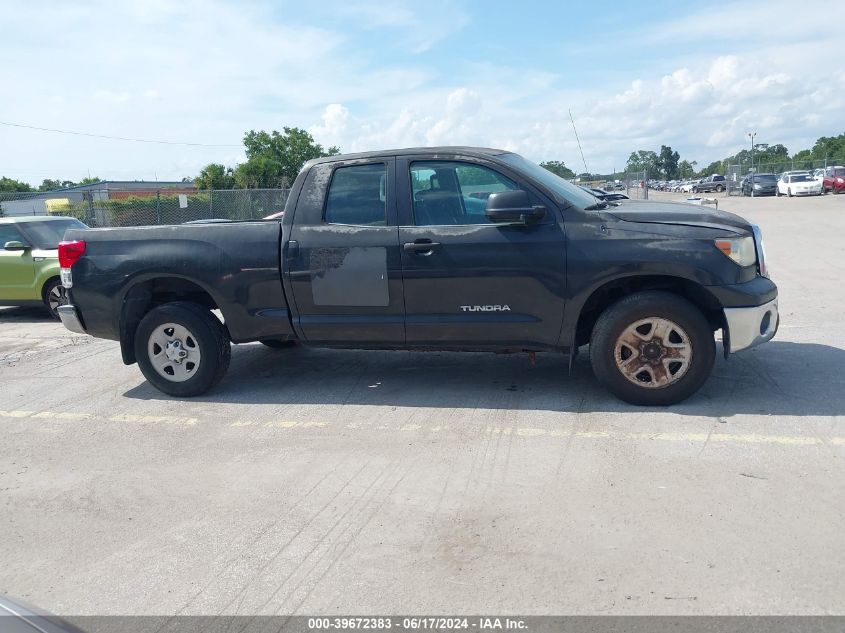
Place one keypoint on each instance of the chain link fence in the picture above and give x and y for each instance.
(735, 173)
(636, 185)
(109, 207)
(733, 180)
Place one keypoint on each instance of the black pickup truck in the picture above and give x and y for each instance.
(451, 248)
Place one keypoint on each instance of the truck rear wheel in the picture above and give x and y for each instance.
(182, 349)
(652, 348)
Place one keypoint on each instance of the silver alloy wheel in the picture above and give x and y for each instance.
(56, 298)
(174, 352)
(653, 352)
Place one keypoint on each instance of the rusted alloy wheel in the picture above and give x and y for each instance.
(653, 352)
(652, 348)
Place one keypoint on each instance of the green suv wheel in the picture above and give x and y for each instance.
(55, 295)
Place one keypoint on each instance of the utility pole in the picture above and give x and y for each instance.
(751, 135)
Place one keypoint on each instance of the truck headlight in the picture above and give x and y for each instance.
(739, 249)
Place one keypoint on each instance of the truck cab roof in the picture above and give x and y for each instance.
(407, 151)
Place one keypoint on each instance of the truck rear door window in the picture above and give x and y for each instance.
(452, 193)
(357, 196)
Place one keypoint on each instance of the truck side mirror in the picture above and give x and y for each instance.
(15, 245)
(512, 207)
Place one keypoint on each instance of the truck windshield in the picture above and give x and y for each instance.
(560, 187)
(49, 233)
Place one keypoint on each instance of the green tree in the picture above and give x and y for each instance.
(261, 171)
(215, 176)
(51, 185)
(643, 160)
(803, 159)
(763, 153)
(716, 167)
(829, 147)
(274, 159)
(90, 180)
(667, 162)
(557, 167)
(10, 184)
(686, 169)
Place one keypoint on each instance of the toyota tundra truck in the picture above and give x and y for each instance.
(450, 248)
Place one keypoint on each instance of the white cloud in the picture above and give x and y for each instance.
(704, 111)
(207, 71)
(335, 118)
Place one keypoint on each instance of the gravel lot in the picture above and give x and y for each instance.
(317, 481)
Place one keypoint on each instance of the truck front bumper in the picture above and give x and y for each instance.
(70, 319)
(749, 327)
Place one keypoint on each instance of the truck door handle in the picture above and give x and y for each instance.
(293, 249)
(421, 247)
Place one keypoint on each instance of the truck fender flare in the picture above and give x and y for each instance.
(575, 307)
(134, 299)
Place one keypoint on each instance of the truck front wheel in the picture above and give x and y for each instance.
(182, 349)
(652, 348)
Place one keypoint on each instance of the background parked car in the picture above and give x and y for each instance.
(602, 194)
(834, 180)
(798, 184)
(689, 186)
(29, 261)
(714, 182)
(761, 184)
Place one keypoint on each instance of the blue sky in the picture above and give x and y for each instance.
(369, 74)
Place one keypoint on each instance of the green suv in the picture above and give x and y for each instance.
(29, 261)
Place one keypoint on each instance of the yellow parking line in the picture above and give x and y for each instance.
(71, 415)
(526, 432)
(155, 419)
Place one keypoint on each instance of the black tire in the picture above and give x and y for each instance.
(719, 189)
(211, 339)
(277, 344)
(48, 295)
(642, 305)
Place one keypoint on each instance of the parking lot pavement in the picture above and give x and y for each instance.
(318, 481)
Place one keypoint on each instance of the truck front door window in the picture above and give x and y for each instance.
(453, 193)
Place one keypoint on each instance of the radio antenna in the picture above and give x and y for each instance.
(586, 169)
